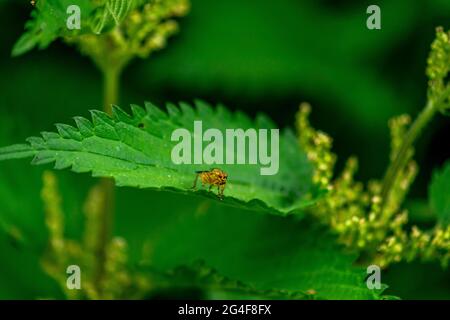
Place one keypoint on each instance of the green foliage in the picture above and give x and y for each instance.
(439, 194)
(113, 12)
(23, 234)
(112, 32)
(135, 150)
(264, 252)
(186, 241)
(371, 219)
(222, 252)
(48, 22)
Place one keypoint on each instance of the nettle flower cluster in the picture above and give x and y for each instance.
(370, 218)
(438, 69)
(107, 278)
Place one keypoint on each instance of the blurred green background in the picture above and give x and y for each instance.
(251, 55)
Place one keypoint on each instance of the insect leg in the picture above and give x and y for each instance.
(220, 190)
(195, 181)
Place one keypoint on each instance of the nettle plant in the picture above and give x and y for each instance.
(304, 232)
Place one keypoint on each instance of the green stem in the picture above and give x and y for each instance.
(402, 156)
(419, 124)
(111, 78)
(110, 97)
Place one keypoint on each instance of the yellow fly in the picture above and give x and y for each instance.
(213, 177)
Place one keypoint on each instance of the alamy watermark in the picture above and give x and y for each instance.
(73, 21)
(237, 146)
(374, 20)
(374, 279)
(73, 281)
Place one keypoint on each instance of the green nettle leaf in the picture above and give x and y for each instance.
(439, 194)
(112, 13)
(48, 22)
(49, 18)
(136, 150)
(264, 252)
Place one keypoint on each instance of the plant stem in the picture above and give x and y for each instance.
(414, 131)
(106, 220)
(110, 88)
